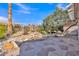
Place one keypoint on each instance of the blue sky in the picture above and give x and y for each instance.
(29, 13)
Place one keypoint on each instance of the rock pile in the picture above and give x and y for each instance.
(10, 47)
(35, 35)
(30, 36)
(18, 34)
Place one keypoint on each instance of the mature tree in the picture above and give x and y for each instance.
(55, 21)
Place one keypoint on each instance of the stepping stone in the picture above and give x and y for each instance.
(61, 40)
(45, 51)
(52, 54)
(63, 47)
(29, 48)
(48, 43)
(51, 49)
(72, 53)
(72, 45)
(78, 44)
(42, 53)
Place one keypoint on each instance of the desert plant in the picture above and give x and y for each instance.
(2, 30)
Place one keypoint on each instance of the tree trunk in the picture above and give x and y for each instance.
(9, 18)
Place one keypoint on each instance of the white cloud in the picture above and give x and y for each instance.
(61, 6)
(24, 9)
(3, 19)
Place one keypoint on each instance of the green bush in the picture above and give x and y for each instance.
(55, 22)
(2, 30)
(44, 32)
(1, 34)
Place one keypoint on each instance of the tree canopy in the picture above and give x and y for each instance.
(55, 21)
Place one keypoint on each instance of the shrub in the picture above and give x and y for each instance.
(2, 30)
(17, 27)
(44, 32)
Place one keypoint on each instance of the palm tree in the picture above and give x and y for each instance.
(10, 18)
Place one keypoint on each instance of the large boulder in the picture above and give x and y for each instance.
(10, 48)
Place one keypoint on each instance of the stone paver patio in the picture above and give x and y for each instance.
(51, 46)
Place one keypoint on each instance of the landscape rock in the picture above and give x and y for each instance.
(10, 48)
(30, 36)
